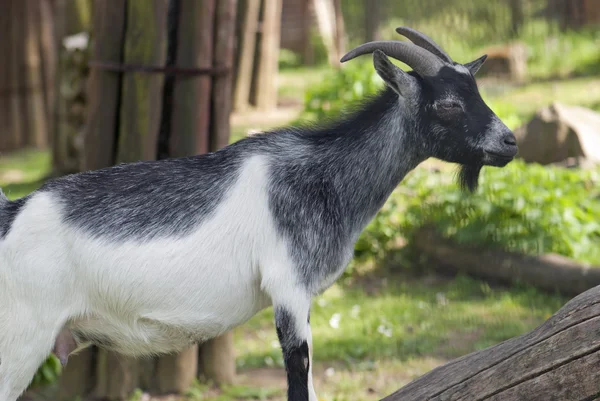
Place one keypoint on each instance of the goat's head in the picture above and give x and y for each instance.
(444, 103)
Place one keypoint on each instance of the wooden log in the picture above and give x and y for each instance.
(141, 96)
(247, 47)
(548, 272)
(101, 127)
(556, 361)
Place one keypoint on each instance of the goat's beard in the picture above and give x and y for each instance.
(468, 177)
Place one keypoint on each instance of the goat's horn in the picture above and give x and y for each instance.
(424, 41)
(421, 60)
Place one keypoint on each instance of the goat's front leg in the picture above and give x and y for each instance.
(293, 329)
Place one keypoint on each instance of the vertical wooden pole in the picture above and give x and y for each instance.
(224, 43)
(217, 356)
(5, 117)
(266, 82)
(103, 107)
(308, 56)
(37, 133)
(141, 98)
(17, 81)
(191, 102)
(48, 52)
(247, 46)
(340, 30)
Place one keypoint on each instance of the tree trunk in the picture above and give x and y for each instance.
(556, 361)
(247, 46)
(267, 67)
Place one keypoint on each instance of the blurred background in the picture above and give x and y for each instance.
(87, 84)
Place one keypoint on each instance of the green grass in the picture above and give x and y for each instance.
(403, 317)
(23, 171)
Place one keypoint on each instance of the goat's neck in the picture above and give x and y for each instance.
(380, 148)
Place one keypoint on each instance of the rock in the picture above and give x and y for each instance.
(561, 134)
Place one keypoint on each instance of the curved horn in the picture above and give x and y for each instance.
(421, 60)
(424, 41)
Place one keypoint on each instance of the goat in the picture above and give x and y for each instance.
(149, 257)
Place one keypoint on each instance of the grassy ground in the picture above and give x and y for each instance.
(375, 333)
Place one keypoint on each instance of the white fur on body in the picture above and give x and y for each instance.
(148, 298)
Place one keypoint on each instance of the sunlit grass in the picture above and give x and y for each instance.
(23, 171)
(402, 318)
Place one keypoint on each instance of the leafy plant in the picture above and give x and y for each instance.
(526, 208)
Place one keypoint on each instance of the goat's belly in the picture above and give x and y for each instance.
(142, 336)
(165, 295)
(141, 317)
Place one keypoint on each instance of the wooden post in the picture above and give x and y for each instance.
(247, 46)
(556, 361)
(103, 106)
(5, 86)
(17, 89)
(140, 111)
(191, 98)
(217, 356)
(266, 82)
(35, 110)
(224, 43)
(340, 31)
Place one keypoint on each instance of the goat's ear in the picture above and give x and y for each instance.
(475, 65)
(394, 77)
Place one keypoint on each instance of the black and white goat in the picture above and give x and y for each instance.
(150, 257)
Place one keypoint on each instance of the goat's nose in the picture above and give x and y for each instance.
(510, 139)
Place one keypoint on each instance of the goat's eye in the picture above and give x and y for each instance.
(450, 106)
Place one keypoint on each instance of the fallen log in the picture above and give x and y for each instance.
(548, 272)
(557, 361)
